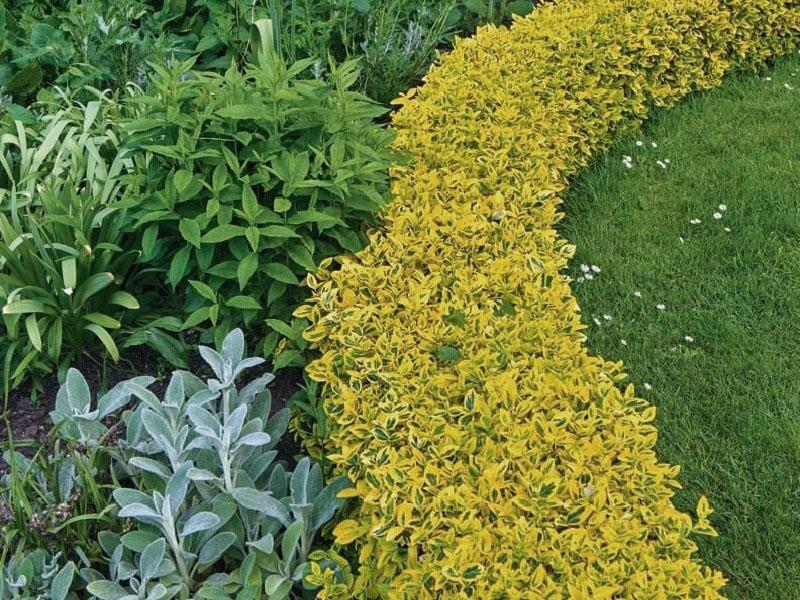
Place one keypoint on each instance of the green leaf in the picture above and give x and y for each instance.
(102, 320)
(243, 303)
(32, 327)
(105, 338)
(125, 300)
(21, 307)
(222, 233)
(246, 269)
(280, 327)
(448, 354)
(201, 314)
(177, 267)
(262, 502)
(181, 180)
(281, 205)
(242, 111)
(281, 273)
(204, 290)
(91, 286)
(190, 231)
(300, 255)
(69, 273)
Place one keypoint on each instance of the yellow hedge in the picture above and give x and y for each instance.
(494, 458)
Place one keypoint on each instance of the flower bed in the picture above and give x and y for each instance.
(492, 456)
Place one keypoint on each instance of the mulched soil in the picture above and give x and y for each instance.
(28, 409)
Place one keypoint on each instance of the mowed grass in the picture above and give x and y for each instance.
(728, 395)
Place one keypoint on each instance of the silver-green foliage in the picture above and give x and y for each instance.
(211, 495)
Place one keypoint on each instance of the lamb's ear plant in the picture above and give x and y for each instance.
(212, 497)
(36, 574)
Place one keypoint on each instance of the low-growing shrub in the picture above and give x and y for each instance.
(491, 455)
(202, 507)
(249, 179)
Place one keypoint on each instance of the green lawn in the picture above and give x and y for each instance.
(728, 395)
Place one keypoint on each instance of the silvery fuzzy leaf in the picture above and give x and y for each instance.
(157, 592)
(233, 426)
(202, 475)
(301, 512)
(214, 548)
(113, 400)
(150, 465)
(203, 397)
(262, 502)
(107, 590)
(200, 417)
(257, 465)
(156, 425)
(266, 544)
(291, 541)
(208, 433)
(115, 562)
(143, 394)
(66, 480)
(217, 363)
(139, 511)
(277, 424)
(78, 394)
(298, 484)
(108, 541)
(233, 347)
(175, 393)
(126, 496)
(165, 568)
(215, 385)
(277, 587)
(300, 571)
(192, 384)
(247, 363)
(278, 483)
(138, 540)
(198, 443)
(150, 559)
(252, 439)
(177, 487)
(202, 521)
(254, 388)
(326, 503)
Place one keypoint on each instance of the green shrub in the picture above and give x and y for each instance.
(65, 269)
(249, 179)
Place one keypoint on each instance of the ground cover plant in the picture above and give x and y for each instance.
(491, 454)
(698, 294)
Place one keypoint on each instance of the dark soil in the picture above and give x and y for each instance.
(29, 406)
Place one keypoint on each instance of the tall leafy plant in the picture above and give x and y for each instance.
(250, 178)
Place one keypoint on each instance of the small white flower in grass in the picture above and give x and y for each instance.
(595, 268)
(623, 342)
(661, 306)
(695, 221)
(717, 215)
(767, 78)
(607, 317)
(648, 387)
(723, 207)
(589, 277)
(681, 239)
(637, 293)
(585, 268)
(666, 160)
(661, 164)
(787, 86)
(728, 229)
(581, 279)
(689, 339)
(639, 143)
(596, 321)
(654, 145)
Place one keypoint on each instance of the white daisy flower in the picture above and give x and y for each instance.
(648, 387)
(607, 317)
(728, 229)
(723, 207)
(595, 268)
(695, 221)
(637, 293)
(654, 145)
(688, 338)
(623, 342)
(717, 215)
(639, 143)
(589, 277)
(585, 268)
(661, 306)
(596, 321)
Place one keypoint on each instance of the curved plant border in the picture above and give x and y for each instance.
(493, 456)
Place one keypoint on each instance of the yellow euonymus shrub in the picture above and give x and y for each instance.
(493, 457)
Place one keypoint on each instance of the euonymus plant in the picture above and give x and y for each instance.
(248, 179)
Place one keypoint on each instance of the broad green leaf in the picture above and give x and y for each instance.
(125, 300)
(262, 502)
(204, 290)
(62, 582)
(278, 231)
(243, 303)
(102, 320)
(281, 273)
(69, 273)
(247, 268)
(106, 340)
(301, 256)
(190, 231)
(177, 267)
(214, 548)
(32, 327)
(222, 233)
(151, 558)
(241, 111)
